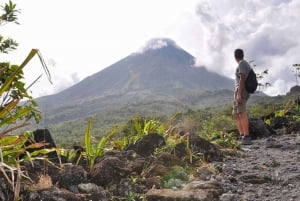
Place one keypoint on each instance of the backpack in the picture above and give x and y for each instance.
(251, 82)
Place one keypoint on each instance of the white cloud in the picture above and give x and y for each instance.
(267, 31)
(84, 37)
(80, 38)
(154, 44)
(51, 62)
(157, 43)
(279, 87)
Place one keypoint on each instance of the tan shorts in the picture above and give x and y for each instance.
(241, 107)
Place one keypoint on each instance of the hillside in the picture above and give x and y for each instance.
(158, 80)
(163, 70)
(177, 164)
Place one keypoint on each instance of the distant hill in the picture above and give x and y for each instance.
(160, 79)
(162, 67)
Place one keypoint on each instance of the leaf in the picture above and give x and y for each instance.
(88, 138)
(34, 82)
(100, 146)
(44, 65)
(41, 152)
(21, 112)
(4, 132)
(36, 145)
(8, 140)
(265, 71)
(8, 107)
(13, 152)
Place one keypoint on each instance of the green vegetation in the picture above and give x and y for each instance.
(14, 114)
(116, 139)
(213, 124)
(69, 133)
(175, 178)
(18, 108)
(297, 111)
(92, 152)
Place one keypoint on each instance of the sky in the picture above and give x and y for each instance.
(80, 38)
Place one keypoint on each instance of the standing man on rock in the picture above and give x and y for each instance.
(241, 96)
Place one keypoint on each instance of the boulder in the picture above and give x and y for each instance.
(147, 145)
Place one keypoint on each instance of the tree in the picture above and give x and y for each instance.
(17, 106)
(9, 15)
(260, 76)
(12, 87)
(297, 68)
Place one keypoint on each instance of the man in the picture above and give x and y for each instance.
(241, 96)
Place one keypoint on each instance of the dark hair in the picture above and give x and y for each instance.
(239, 54)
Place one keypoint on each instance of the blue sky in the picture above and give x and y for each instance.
(79, 38)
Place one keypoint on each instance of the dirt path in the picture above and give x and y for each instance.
(268, 170)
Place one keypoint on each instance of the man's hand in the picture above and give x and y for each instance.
(238, 99)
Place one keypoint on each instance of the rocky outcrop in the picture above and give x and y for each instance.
(294, 89)
(258, 128)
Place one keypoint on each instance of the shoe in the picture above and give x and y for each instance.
(246, 140)
(239, 137)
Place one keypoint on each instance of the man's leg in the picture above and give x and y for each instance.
(245, 126)
(238, 122)
(244, 123)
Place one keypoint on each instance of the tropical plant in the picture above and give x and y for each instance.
(132, 131)
(297, 112)
(287, 107)
(92, 152)
(13, 116)
(135, 129)
(215, 130)
(13, 152)
(141, 126)
(17, 108)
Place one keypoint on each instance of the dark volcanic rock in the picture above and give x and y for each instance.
(258, 128)
(44, 136)
(201, 146)
(147, 145)
(107, 172)
(71, 176)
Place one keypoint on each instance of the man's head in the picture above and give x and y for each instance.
(238, 54)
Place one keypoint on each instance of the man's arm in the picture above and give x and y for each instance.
(241, 87)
